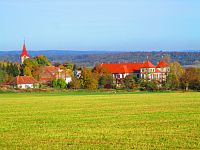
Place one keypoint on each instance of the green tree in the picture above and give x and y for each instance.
(12, 69)
(3, 74)
(61, 83)
(42, 60)
(54, 83)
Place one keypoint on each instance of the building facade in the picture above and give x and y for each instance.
(49, 73)
(144, 70)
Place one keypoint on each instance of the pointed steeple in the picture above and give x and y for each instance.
(24, 51)
(24, 55)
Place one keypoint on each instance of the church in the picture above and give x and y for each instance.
(46, 73)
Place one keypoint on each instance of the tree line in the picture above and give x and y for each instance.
(99, 78)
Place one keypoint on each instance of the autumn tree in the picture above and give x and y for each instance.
(75, 83)
(105, 81)
(174, 77)
(8, 71)
(191, 79)
(42, 60)
(88, 80)
(104, 77)
(130, 82)
(142, 85)
(28, 68)
(68, 65)
(152, 85)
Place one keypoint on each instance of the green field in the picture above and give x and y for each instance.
(100, 121)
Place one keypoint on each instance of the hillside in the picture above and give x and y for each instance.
(90, 58)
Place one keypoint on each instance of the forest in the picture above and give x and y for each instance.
(91, 58)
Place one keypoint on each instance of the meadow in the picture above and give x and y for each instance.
(100, 121)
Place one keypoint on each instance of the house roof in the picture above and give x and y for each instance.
(49, 69)
(162, 64)
(23, 80)
(122, 67)
(148, 64)
(128, 67)
(24, 51)
(47, 73)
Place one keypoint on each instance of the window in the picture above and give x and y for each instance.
(118, 75)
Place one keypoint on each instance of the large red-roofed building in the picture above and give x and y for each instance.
(143, 70)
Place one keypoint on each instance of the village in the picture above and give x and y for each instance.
(99, 75)
(39, 72)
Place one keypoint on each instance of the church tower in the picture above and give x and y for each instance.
(24, 55)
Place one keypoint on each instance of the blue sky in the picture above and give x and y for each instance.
(123, 25)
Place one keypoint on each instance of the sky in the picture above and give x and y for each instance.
(117, 25)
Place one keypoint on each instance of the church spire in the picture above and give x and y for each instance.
(24, 51)
(24, 55)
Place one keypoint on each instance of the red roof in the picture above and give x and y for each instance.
(157, 71)
(24, 52)
(162, 64)
(49, 69)
(23, 80)
(128, 67)
(48, 73)
(148, 64)
(122, 67)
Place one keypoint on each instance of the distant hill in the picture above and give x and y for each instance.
(90, 58)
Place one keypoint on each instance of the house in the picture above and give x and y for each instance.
(143, 70)
(24, 82)
(49, 73)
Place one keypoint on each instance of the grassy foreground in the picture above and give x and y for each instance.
(110, 121)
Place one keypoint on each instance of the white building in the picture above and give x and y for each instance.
(24, 82)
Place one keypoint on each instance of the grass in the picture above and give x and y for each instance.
(100, 121)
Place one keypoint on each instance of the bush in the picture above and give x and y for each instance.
(75, 83)
(152, 86)
(59, 83)
(54, 83)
